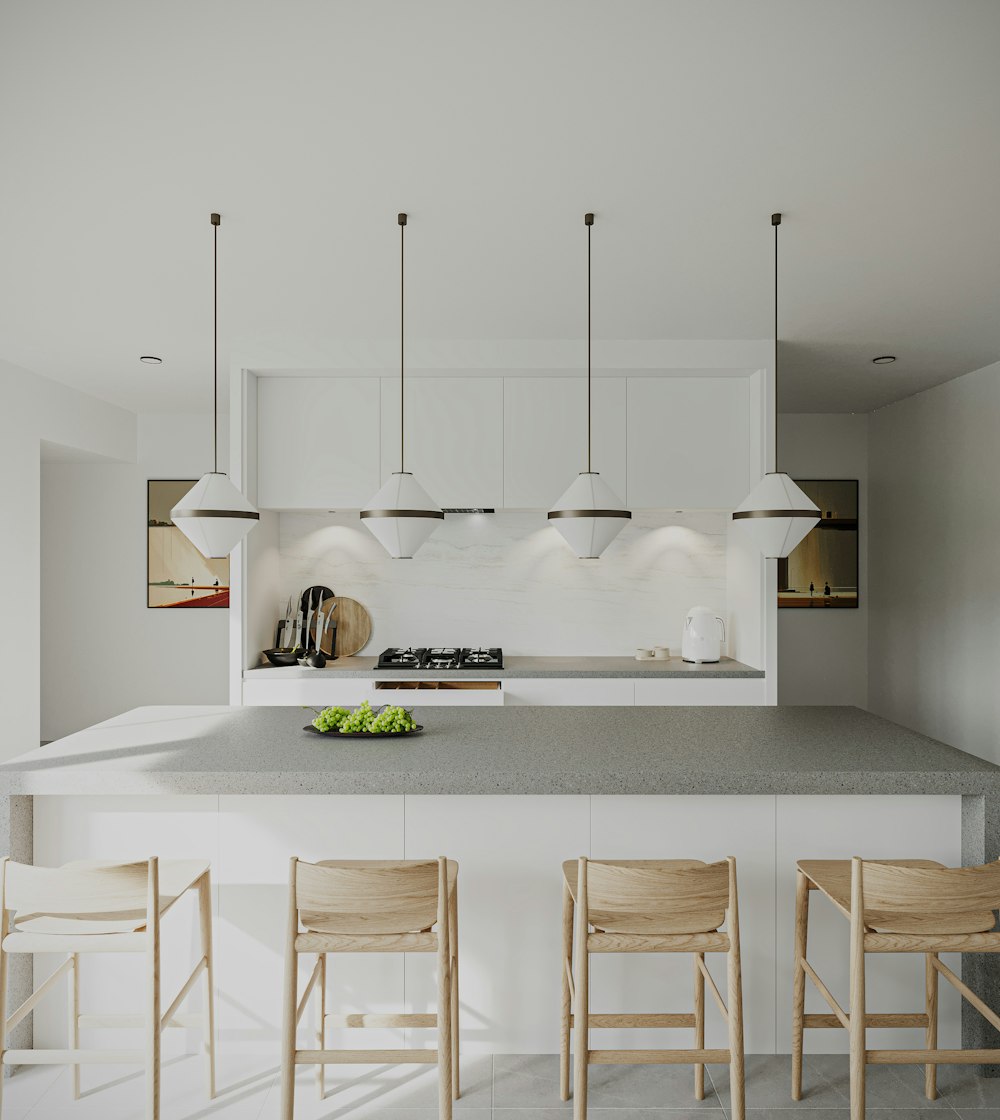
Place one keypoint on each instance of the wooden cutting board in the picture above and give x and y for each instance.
(354, 626)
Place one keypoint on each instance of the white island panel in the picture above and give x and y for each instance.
(903, 827)
(257, 837)
(509, 850)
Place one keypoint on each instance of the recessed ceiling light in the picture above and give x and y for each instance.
(884, 360)
(151, 360)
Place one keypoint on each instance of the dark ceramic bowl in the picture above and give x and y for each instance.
(281, 657)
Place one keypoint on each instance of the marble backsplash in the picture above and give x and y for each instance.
(509, 579)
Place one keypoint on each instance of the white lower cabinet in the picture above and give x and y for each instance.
(319, 691)
(706, 828)
(708, 692)
(257, 837)
(510, 850)
(900, 827)
(572, 690)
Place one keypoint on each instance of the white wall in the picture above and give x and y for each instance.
(103, 650)
(508, 579)
(823, 655)
(33, 410)
(935, 554)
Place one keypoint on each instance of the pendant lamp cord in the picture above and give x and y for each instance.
(589, 219)
(402, 348)
(216, 219)
(775, 221)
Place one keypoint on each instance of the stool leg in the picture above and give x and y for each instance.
(799, 980)
(699, 1024)
(73, 1033)
(208, 1026)
(567, 1009)
(857, 1013)
(581, 1005)
(456, 1085)
(153, 994)
(931, 986)
(321, 1026)
(3, 986)
(291, 996)
(444, 994)
(734, 1002)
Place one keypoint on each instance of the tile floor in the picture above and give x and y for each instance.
(508, 1087)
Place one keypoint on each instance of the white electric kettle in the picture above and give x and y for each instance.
(704, 633)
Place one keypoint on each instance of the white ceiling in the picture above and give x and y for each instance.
(872, 124)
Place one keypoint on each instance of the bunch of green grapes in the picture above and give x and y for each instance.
(329, 719)
(360, 719)
(393, 719)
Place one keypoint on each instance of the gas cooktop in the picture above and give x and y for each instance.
(441, 657)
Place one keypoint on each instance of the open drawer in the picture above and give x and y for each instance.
(410, 693)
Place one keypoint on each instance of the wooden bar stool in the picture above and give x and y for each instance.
(895, 906)
(363, 906)
(650, 906)
(104, 908)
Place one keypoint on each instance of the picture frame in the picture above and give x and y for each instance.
(822, 571)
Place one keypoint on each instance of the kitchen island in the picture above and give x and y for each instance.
(510, 792)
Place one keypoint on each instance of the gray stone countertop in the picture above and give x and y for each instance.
(514, 750)
(515, 666)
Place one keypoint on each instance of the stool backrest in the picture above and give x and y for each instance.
(944, 893)
(114, 890)
(358, 897)
(670, 896)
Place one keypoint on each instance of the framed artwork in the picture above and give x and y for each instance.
(177, 575)
(822, 571)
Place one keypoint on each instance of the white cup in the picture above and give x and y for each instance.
(661, 653)
(643, 654)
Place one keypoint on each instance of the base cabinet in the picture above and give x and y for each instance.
(583, 691)
(323, 689)
(510, 850)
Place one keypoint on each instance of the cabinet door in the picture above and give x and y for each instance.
(317, 442)
(545, 437)
(454, 437)
(688, 442)
(575, 691)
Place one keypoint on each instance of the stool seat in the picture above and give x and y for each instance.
(641, 902)
(28, 931)
(832, 877)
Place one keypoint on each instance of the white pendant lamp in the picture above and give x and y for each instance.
(213, 514)
(776, 513)
(402, 515)
(589, 515)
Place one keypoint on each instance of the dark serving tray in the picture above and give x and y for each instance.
(363, 734)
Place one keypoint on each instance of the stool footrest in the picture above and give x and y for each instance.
(624, 1019)
(931, 1057)
(363, 1019)
(890, 1019)
(72, 1057)
(363, 1057)
(659, 1057)
(124, 1020)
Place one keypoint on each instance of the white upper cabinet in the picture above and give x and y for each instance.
(545, 437)
(317, 442)
(454, 437)
(688, 442)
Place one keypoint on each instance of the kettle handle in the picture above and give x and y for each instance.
(722, 623)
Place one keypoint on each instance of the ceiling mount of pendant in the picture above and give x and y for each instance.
(213, 514)
(589, 515)
(402, 515)
(777, 514)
